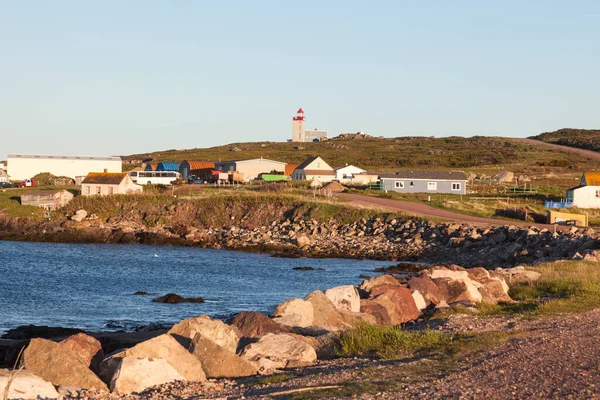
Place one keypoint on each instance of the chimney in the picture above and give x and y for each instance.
(105, 170)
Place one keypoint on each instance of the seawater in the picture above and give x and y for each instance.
(91, 286)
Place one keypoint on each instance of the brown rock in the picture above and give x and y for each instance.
(134, 374)
(497, 289)
(87, 349)
(279, 351)
(367, 285)
(326, 316)
(218, 362)
(478, 274)
(59, 365)
(456, 291)
(399, 304)
(427, 288)
(220, 333)
(255, 325)
(371, 307)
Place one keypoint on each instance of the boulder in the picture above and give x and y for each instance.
(498, 290)
(427, 288)
(164, 347)
(59, 365)
(218, 362)
(419, 300)
(379, 312)
(398, 302)
(172, 298)
(344, 298)
(136, 374)
(302, 241)
(79, 215)
(220, 333)
(88, 349)
(25, 385)
(294, 312)
(326, 316)
(456, 291)
(279, 351)
(440, 272)
(252, 324)
(478, 274)
(367, 285)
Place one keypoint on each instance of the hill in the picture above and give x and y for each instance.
(588, 139)
(389, 154)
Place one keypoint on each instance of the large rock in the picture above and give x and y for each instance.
(294, 312)
(367, 286)
(497, 289)
(398, 302)
(252, 324)
(164, 347)
(457, 291)
(519, 275)
(427, 288)
(25, 385)
(136, 374)
(86, 348)
(279, 351)
(419, 300)
(218, 362)
(220, 333)
(344, 298)
(79, 215)
(478, 274)
(441, 272)
(326, 316)
(60, 365)
(378, 311)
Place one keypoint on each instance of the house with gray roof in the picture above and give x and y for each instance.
(424, 182)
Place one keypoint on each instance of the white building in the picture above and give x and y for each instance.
(2, 165)
(25, 166)
(299, 132)
(250, 169)
(587, 194)
(107, 183)
(314, 169)
(351, 174)
(3, 176)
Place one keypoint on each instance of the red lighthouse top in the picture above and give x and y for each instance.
(300, 116)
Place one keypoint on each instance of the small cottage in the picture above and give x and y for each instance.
(351, 174)
(587, 194)
(314, 169)
(3, 176)
(47, 199)
(107, 183)
(424, 182)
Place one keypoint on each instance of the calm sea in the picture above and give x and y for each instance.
(91, 286)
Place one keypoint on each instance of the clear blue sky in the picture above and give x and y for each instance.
(121, 77)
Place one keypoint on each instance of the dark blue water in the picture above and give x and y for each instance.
(90, 286)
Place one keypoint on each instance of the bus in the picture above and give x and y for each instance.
(154, 177)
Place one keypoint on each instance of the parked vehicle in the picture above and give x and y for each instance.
(6, 185)
(26, 183)
(154, 177)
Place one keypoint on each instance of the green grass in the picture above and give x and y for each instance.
(389, 154)
(389, 342)
(10, 202)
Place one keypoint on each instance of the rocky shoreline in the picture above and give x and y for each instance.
(377, 238)
(201, 350)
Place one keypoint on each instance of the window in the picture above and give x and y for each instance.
(431, 185)
(133, 174)
(399, 185)
(110, 190)
(98, 190)
(412, 184)
(455, 186)
(87, 190)
(597, 193)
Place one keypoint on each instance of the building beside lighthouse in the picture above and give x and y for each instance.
(299, 132)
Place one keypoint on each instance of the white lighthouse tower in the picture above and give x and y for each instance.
(298, 132)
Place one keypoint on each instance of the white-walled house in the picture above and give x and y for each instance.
(314, 169)
(587, 194)
(3, 176)
(351, 174)
(107, 183)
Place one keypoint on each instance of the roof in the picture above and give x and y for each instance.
(306, 162)
(334, 187)
(42, 193)
(437, 175)
(349, 166)
(151, 166)
(592, 178)
(289, 169)
(300, 110)
(260, 160)
(195, 165)
(60, 156)
(576, 187)
(167, 166)
(319, 172)
(105, 178)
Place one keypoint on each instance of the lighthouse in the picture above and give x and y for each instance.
(298, 134)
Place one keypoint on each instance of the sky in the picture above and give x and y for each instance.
(122, 77)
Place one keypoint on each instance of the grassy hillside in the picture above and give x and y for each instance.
(389, 154)
(588, 139)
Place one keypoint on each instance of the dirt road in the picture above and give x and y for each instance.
(583, 152)
(424, 210)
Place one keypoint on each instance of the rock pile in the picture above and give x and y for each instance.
(300, 332)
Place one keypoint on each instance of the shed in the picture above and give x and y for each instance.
(251, 169)
(107, 183)
(424, 182)
(47, 199)
(201, 169)
(151, 167)
(168, 166)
